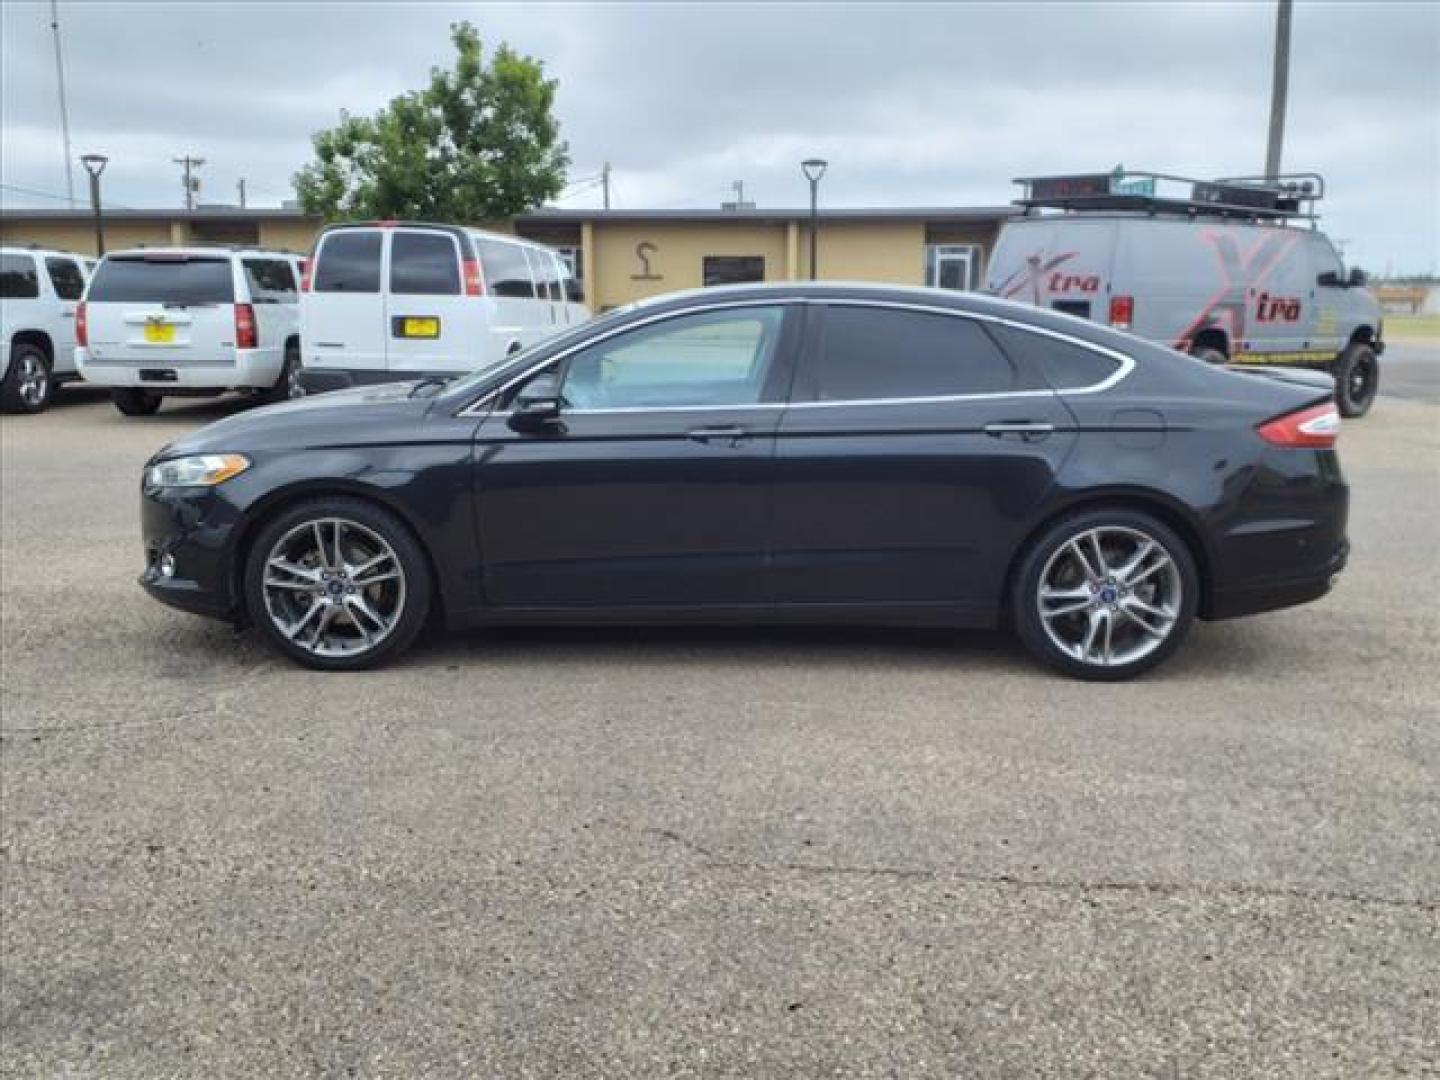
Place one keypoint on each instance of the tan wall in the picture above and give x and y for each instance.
(867, 251)
(80, 236)
(677, 261)
(296, 236)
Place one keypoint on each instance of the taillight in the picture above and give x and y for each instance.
(305, 265)
(246, 336)
(1122, 312)
(473, 284)
(1316, 427)
(82, 328)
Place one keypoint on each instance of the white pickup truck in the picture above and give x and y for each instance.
(38, 293)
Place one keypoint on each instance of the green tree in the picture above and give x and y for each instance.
(479, 144)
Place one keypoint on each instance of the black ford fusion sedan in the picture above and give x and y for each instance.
(791, 453)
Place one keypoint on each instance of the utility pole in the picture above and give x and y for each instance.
(189, 163)
(605, 182)
(64, 108)
(242, 192)
(1279, 88)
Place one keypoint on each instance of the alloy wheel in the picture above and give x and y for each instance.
(33, 384)
(1110, 596)
(334, 587)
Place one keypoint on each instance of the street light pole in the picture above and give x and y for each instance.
(95, 165)
(814, 169)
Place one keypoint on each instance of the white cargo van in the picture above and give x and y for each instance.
(1231, 271)
(390, 301)
(188, 322)
(38, 293)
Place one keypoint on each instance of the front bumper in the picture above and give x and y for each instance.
(190, 532)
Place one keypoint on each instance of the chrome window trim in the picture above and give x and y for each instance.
(1126, 363)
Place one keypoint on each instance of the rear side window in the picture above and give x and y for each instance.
(870, 353)
(542, 269)
(18, 280)
(66, 277)
(348, 262)
(424, 264)
(271, 281)
(164, 279)
(506, 271)
(1063, 366)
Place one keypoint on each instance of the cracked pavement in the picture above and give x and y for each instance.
(618, 853)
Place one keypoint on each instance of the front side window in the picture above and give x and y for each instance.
(874, 353)
(18, 280)
(271, 281)
(507, 274)
(424, 264)
(708, 359)
(348, 262)
(184, 280)
(65, 276)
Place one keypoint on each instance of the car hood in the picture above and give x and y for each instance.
(372, 414)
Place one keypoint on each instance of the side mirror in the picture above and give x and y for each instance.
(1329, 279)
(1358, 278)
(537, 405)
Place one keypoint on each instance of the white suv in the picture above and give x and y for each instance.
(38, 293)
(188, 322)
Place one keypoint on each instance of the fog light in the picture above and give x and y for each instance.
(166, 565)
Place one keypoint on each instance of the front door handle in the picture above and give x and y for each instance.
(1025, 430)
(733, 434)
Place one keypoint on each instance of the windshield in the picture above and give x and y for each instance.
(164, 279)
(520, 359)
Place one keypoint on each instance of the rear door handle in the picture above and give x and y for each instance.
(1025, 430)
(733, 434)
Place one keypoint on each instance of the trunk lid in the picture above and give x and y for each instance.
(163, 308)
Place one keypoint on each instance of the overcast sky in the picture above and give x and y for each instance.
(933, 105)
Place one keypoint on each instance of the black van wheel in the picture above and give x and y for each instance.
(1357, 378)
(134, 402)
(1209, 354)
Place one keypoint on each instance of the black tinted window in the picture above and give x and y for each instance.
(1062, 365)
(424, 264)
(506, 271)
(18, 280)
(66, 278)
(271, 281)
(547, 278)
(349, 262)
(870, 353)
(164, 279)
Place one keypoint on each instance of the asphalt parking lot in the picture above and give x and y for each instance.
(712, 853)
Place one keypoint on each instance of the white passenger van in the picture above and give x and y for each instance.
(1233, 271)
(391, 301)
(189, 322)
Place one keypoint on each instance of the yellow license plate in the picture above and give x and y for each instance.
(159, 333)
(421, 328)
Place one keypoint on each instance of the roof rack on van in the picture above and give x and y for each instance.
(1290, 196)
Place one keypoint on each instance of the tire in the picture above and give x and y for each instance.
(1170, 588)
(287, 386)
(135, 402)
(322, 615)
(1209, 354)
(1357, 379)
(28, 385)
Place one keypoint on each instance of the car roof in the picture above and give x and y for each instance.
(202, 249)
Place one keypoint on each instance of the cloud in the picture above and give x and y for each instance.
(911, 104)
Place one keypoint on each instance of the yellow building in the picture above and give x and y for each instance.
(620, 255)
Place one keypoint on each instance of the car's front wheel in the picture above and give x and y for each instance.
(1357, 378)
(27, 385)
(1105, 594)
(338, 584)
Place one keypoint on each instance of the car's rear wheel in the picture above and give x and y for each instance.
(27, 385)
(1357, 379)
(1105, 594)
(133, 402)
(338, 584)
(287, 386)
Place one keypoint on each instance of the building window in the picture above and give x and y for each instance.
(574, 261)
(733, 269)
(952, 266)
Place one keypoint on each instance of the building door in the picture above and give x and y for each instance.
(953, 266)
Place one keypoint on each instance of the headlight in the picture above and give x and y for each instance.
(199, 470)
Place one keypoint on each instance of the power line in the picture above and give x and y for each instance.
(51, 195)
